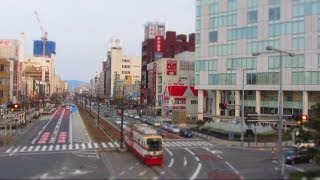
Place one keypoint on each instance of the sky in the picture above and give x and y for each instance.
(82, 28)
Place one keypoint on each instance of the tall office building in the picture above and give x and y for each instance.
(229, 32)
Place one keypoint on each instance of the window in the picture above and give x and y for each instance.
(194, 101)
(198, 25)
(253, 3)
(2, 67)
(252, 16)
(214, 8)
(298, 43)
(232, 5)
(1, 93)
(214, 36)
(274, 13)
(198, 11)
(197, 38)
(274, 2)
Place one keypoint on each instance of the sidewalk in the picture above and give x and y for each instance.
(252, 145)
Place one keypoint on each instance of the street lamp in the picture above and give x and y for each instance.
(280, 95)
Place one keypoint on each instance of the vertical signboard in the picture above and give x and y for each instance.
(158, 47)
(154, 79)
(19, 76)
(171, 67)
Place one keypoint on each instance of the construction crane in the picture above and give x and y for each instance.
(44, 33)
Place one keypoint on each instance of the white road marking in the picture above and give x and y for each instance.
(293, 167)
(104, 145)
(155, 178)
(110, 144)
(70, 146)
(122, 173)
(83, 146)
(189, 151)
(30, 148)
(232, 167)
(9, 150)
(130, 168)
(90, 145)
(37, 148)
(143, 173)
(171, 162)
(44, 148)
(197, 159)
(64, 147)
(117, 144)
(219, 156)
(50, 147)
(162, 172)
(57, 147)
(24, 148)
(16, 149)
(184, 161)
(195, 174)
(77, 146)
(96, 145)
(70, 128)
(170, 153)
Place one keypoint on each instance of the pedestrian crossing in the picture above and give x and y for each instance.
(186, 143)
(62, 147)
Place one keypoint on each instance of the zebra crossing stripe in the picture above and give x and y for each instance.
(96, 145)
(50, 147)
(44, 148)
(83, 146)
(110, 144)
(30, 148)
(9, 150)
(104, 145)
(169, 144)
(23, 149)
(57, 147)
(16, 149)
(117, 144)
(64, 147)
(37, 148)
(77, 146)
(181, 143)
(70, 146)
(175, 143)
(89, 145)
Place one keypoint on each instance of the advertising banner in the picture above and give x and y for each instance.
(158, 44)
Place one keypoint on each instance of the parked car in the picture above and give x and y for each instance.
(165, 126)
(156, 123)
(299, 144)
(186, 132)
(174, 129)
(296, 155)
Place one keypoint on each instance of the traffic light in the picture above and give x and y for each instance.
(300, 119)
(223, 106)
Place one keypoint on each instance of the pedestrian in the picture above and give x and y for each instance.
(273, 151)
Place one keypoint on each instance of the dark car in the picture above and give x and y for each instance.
(296, 155)
(186, 132)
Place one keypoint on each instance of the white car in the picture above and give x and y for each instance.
(174, 129)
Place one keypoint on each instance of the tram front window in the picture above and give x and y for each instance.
(154, 144)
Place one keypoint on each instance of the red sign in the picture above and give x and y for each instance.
(171, 67)
(154, 77)
(158, 44)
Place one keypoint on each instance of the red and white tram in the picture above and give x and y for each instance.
(145, 143)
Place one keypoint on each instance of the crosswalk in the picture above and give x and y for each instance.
(186, 143)
(62, 147)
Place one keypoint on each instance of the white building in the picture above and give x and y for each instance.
(229, 31)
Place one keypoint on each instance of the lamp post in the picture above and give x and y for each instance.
(280, 96)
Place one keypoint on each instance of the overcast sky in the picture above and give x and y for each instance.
(82, 28)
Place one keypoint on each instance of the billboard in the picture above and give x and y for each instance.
(9, 48)
(171, 67)
(158, 44)
(154, 79)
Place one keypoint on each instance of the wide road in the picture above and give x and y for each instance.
(76, 156)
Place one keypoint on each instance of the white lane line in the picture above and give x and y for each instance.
(23, 149)
(51, 147)
(219, 157)
(70, 129)
(30, 148)
(130, 168)
(189, 151)
(104, 145)
(170, 153)
(184, 161)
(44, 148)
(232, 167)
(195, 174)
(143, 173)
(9, 150)
(197, 159)
(110, 144)
(171, 162)
(296, 168)
(122, 173)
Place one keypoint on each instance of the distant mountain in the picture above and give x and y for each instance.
(74, 84)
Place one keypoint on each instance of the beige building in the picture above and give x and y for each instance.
(172, 85)
(121, 66)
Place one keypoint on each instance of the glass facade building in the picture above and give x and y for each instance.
(228, 32)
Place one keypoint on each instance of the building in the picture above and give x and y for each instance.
(120, 66)
(171, 82)
(228, 32)
(44, 48)
(157, 45)
(5, 79)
